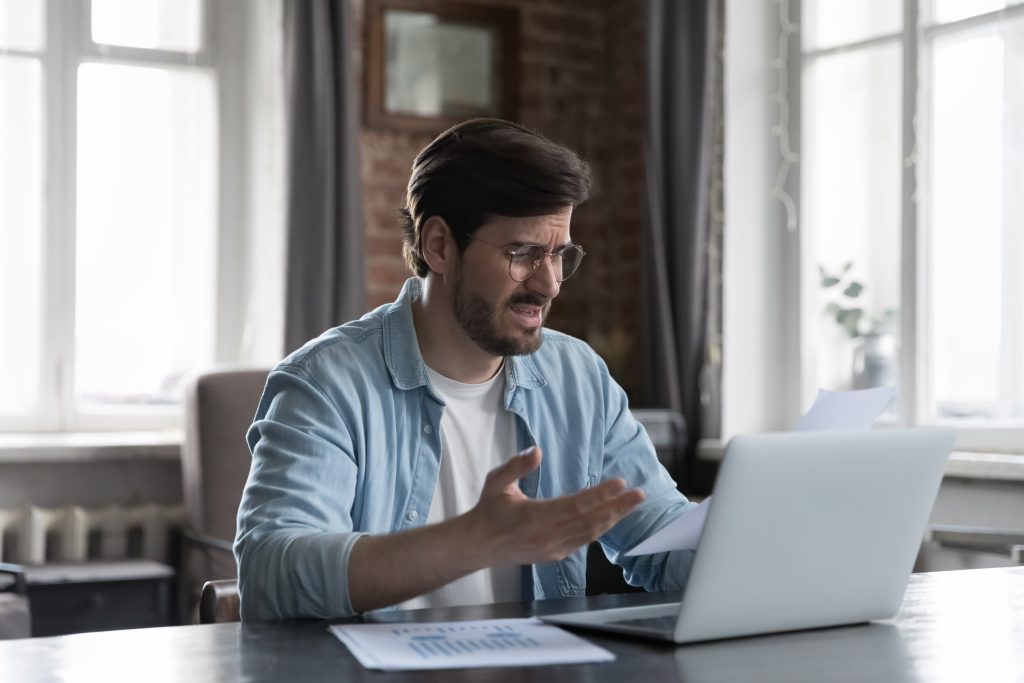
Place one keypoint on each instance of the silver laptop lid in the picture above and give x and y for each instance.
(812, 529)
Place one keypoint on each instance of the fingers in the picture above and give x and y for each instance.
(524, 531)
(512, 470)
(570, 533)
(605, 514)
(584, 516)
(586, 500)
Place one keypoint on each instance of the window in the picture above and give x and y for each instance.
(124, 192)
(912, 208)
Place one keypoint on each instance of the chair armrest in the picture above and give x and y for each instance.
(206, 541)
(17, 580)
(219, 602)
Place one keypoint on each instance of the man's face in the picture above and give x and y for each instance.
(502, 316)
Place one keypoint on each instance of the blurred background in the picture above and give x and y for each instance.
(788, 195)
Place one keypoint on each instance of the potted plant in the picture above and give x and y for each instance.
(873, 343)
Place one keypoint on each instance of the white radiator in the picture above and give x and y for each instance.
(36, 535)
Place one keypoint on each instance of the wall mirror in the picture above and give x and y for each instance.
(430, 63)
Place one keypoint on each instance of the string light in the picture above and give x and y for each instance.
(781, 129)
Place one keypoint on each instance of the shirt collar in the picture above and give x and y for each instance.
(402, 351)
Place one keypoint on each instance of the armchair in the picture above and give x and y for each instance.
(215, 464)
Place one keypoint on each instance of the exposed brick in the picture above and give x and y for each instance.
(582, 65)
(383, 247)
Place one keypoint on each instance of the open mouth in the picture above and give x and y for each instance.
(527, 315)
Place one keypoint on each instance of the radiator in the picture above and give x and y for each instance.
(37, 535)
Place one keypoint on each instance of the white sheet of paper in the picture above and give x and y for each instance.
(465, 644)
(845, 410)
(832, 411)
(682, 533)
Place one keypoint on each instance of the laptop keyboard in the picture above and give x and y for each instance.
(667, 623)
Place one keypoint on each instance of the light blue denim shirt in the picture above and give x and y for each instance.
(346, 442)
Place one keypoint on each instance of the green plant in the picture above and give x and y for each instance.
(845, 307)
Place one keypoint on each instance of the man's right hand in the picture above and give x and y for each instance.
(508, 527)
(505, 527)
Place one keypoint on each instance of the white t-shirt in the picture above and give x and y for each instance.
(477, 435)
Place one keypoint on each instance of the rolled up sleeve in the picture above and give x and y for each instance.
(295, 530)
(629, 453)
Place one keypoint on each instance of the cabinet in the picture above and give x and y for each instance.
(100, 596)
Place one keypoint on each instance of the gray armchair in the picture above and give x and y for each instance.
(220, 602)
(219, 408)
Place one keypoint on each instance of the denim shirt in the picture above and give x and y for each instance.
(346, 441)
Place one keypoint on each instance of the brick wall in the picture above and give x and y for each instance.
(582, 84)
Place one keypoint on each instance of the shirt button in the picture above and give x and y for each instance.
(427, 429)
(412, 515)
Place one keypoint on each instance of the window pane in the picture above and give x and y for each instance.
(21, 24)
(146, 241)
(21, 148)
(851, 195)
(975, 219)
(173, 25)
(944, 11)
(827, 23)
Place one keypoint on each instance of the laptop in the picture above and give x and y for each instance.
(805, 530)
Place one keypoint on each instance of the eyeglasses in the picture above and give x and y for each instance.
(524, 261)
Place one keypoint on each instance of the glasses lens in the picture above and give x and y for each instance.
(525, 261)
(570, 260)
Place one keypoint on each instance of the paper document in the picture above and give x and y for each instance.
(680, 534)
(845, 410)
(832, 411)
(465, 644)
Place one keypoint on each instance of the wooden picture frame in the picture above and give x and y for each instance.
(431, 63)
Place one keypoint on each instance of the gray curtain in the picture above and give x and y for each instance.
(683, 255)
(325, 225)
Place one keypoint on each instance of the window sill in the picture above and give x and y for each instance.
(987, 466)
(961, 465)
(22, 448)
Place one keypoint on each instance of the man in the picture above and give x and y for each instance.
(383, 470)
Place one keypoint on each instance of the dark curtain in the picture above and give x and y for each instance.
(325, 226)
(683, 255)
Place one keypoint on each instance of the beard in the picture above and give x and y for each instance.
(479, 320)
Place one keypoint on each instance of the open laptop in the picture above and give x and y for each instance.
(806, 529)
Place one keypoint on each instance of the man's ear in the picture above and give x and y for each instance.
(438, 244)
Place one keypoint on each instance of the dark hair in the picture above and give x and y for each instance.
(487, 167)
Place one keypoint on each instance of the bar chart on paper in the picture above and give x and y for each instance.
(463, 644)
(455, 639)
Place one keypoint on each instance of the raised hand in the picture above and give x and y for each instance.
(505, 527)
(509, 527)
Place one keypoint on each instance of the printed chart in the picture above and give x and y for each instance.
(452, 645)
(456, 639)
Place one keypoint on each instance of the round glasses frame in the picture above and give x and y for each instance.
(524, 261)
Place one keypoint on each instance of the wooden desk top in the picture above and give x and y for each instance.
(957, 626)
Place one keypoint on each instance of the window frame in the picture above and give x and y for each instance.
(68, 45)
(914, 359)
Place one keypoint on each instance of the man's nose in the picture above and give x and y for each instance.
(544, 282)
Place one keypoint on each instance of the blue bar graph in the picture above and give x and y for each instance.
(433, 642)
(453, 645)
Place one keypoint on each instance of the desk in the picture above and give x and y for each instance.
(957, 626)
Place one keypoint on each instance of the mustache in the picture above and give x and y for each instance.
(528, 299)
